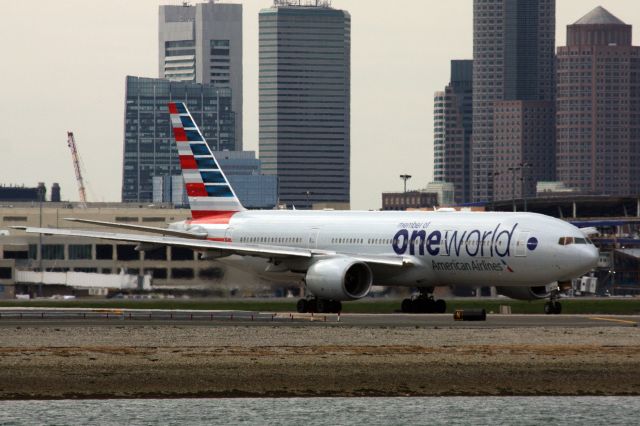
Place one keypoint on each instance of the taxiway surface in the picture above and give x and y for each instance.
(134, 317)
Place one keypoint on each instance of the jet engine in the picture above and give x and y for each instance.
(525, 293)
(339, 279)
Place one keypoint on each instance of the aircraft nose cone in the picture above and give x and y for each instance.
(592, 256)
(588, 258)
(575, 260)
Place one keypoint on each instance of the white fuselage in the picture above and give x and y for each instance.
(446, 248)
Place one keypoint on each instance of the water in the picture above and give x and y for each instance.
(327, 411)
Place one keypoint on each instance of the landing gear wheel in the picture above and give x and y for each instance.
(323, 306)
(557, 308)
(422, 306)
(552, 307)
(424, 303)
(302, 306)
(407, 306)
(440, 306)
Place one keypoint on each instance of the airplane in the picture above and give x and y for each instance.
(340, 255)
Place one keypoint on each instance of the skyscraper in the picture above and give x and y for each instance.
(304, 82)
(598, 107)
(452, 131)
(149, 149)
(513, 60)
(524, 140)
(203, 44)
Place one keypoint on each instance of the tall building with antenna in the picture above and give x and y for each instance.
(304, 82)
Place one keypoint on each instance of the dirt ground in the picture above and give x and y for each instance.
(176, 361)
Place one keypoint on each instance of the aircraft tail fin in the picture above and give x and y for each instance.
(209, 192)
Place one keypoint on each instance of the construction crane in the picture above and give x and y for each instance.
(76, 165)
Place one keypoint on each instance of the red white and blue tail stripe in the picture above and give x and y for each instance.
(210, 196)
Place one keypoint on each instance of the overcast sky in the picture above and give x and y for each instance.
(64, 64)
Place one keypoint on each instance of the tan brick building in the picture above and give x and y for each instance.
(598, 107)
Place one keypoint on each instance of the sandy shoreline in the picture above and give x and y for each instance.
(183, 361)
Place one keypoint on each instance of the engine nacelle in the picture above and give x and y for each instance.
(339, 279)
(525, 293)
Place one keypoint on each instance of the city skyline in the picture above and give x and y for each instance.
(72, 59)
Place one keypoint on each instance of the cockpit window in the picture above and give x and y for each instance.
(565, 241)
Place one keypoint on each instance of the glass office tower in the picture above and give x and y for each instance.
(149, 149)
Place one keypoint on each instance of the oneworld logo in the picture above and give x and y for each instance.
(476, 242)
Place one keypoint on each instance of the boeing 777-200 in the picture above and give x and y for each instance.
(340, 255)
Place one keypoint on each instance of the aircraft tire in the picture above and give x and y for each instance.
(322, 306)
(557, 308)
(302, 306)
(440, 306)
(551, 308)
(407, 306)
(422, 306)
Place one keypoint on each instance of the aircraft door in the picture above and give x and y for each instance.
(313, 238)
(521, 244)
(228, 234)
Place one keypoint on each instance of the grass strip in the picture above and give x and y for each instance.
(384, 306)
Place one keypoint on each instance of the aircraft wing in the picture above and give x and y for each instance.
(151, 229)
(224, 248)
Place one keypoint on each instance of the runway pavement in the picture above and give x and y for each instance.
(48, 317)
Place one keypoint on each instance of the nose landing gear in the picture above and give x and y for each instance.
(553, 306)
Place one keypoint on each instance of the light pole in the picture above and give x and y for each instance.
(520, 167)
(523, 178)
(40, 199)
(308, 193)
(513, 186)
(405, 178)
(490, 185)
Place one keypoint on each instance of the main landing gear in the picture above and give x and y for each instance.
(424, 304)
(320, 306)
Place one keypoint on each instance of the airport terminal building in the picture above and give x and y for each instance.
(167, 268)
